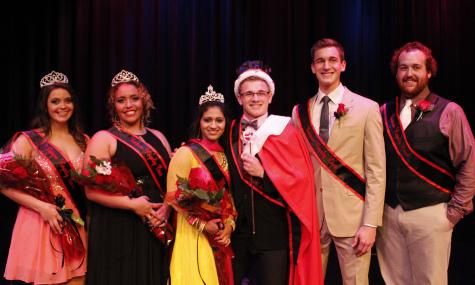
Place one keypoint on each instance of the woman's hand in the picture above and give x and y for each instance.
(224, 236)
(142, 206)
(161, 214)
(213, 226)
(49, 213)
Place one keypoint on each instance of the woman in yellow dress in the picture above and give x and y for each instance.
(198, 189)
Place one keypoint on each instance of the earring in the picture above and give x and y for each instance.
(116, 119)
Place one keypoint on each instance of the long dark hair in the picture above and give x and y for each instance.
(195, 130)
(43, 120)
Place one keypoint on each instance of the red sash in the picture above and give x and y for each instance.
(327, 158)
(156, 160)
(440, 178)
(63, 167)
(236, 150)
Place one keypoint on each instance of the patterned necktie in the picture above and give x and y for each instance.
(246, 123)
(324, 120)
(406, 115)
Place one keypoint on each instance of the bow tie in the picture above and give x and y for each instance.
(246, 123)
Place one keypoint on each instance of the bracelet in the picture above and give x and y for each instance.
(202, 226)
(196, 223)
(230, 222)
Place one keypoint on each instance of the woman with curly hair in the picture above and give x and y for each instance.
(122, 249)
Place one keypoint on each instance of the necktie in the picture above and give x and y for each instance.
(405, 115)
(324, 120)
(246, 123)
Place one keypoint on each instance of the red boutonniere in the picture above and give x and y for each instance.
(340, 111)
(423, 107)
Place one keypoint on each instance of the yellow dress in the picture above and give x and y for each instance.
(192, 258)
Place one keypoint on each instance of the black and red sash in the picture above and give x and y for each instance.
(156, 160)
(435, 175)
(209, 161)
(236, 150)
(327, 158)
(63, 167)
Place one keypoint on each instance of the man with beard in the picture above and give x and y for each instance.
(430, 173)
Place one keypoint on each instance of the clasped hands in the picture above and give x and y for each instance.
(156, 213)
(221, 232)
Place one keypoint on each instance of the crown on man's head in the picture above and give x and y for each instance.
(211, 95)
(52, 78)
(253, 64)
(124, 76)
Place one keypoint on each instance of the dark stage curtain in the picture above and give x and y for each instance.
(179, 47)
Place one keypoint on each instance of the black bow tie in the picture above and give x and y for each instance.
(246, 123)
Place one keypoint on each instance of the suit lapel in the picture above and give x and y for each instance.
(348, 100)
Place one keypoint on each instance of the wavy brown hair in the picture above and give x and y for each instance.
(143, 93)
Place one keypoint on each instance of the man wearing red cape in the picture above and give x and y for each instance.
(276, 240)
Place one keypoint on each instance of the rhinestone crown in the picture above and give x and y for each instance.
(52, 78)
(211, 95)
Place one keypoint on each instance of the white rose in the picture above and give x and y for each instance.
(104, 168)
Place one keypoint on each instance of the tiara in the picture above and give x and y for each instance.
(211, 95)
(52, 78)
(124, 76)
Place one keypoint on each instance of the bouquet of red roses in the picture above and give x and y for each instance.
(118, 179)
(26, 175)
(200, 196)
(100, 174)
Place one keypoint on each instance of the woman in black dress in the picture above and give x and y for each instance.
(121, 248)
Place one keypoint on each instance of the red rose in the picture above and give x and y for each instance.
(425, 105)
(340, 111)
(197, 178)
(20, 172)
(341, 108)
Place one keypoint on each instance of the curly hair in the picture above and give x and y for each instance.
(43, 120)
(431, 63)
(143, 93)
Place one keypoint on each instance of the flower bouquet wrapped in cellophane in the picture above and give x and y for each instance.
(118, 179)
(26, 175)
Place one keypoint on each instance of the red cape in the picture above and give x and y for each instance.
(290, 169)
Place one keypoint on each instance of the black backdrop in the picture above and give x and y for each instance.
(179, 47)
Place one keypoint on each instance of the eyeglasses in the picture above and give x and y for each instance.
(251, 94)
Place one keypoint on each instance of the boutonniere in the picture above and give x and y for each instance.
(423, 107)
(340, 111)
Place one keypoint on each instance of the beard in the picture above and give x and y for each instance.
(418, 85)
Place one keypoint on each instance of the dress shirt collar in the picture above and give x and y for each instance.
(336, 96)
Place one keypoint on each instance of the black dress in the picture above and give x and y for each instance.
(121, 250)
